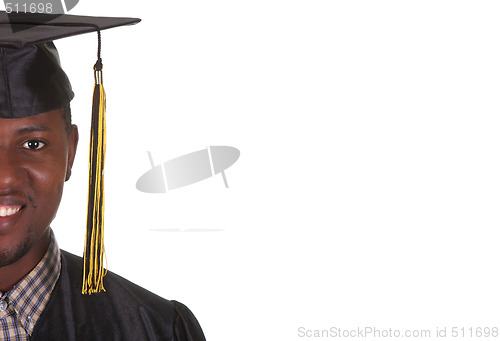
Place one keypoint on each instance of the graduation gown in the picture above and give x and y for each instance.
(124, 312)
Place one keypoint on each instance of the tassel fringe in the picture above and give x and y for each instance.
(94, 256)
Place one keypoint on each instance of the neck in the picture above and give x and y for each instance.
(11, 274)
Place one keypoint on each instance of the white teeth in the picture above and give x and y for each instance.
(6, 211)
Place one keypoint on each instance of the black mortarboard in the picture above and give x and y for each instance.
(32, 82)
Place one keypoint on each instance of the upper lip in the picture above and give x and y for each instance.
(11, 201)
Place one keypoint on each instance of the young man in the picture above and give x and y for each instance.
(40, 285)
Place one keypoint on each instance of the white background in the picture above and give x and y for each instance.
(367, 191)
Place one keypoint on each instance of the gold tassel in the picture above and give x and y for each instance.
(93, 264)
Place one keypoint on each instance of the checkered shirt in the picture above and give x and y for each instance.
(21, 307)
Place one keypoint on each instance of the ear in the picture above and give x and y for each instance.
(72, 144)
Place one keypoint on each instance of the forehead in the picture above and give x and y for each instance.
(51, 121)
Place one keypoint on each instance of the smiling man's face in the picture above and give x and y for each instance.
(36, 156)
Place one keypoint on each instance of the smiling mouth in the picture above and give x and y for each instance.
(7, 211)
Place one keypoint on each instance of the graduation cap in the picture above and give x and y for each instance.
(32, 82)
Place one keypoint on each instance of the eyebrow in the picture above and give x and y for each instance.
(31, 129)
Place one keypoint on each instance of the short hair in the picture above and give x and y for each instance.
(66, 112)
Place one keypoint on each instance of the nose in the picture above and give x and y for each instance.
(11, 171)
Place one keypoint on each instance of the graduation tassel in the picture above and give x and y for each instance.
(93, 264)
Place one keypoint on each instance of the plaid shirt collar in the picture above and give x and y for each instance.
(29, 297)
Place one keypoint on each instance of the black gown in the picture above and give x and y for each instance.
(124, 312)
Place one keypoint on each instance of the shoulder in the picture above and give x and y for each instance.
(73, 266)
(124, 309)
(117, 287)
(121, 289)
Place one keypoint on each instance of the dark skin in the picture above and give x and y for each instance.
(36, 156)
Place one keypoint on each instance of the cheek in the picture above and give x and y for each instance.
(46, 182)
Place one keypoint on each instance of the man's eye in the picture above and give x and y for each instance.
(33, 145)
